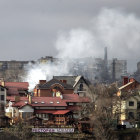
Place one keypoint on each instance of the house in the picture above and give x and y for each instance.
(3, 94)
(129, 94)
(52, 88)
(52, 110)
(16, 88)
(79, 83)
(4, 120)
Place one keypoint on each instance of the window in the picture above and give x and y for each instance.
(81, 87)
(131, 115)
(138, 115)
(71, 103)
(2, 89)
(2, 107)
(131, 103)
(138, 105)
(26, 115)
(2, 97)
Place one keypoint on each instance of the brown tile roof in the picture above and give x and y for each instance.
(52, 82)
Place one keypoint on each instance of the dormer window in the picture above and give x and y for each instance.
(42, 102)
(58, 102)
(36, 102)
(51, 102)
(26, 102)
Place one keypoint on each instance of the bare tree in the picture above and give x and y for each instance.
(101, 111)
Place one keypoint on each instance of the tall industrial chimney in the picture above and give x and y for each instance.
(106, 76)
(105, 55)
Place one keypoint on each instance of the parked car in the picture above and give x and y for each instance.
(128, 124)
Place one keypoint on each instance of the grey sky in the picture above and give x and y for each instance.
(29, 28)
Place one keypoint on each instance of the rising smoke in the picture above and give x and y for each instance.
(119, 31)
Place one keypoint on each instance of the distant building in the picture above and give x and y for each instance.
(13, 70)
(117, 69)
(137, 73)
(47, 59)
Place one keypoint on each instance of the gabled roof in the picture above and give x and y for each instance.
(71, 80)
(52, 82)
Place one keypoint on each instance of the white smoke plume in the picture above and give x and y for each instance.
(44, 71)
(119, 31)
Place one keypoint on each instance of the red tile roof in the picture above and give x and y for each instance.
(72, 108)
(44, 111)
(39, 101)
(75, 98)
(49, 101)
(52, 111)
(61, 112)
(19, 85)
(14, 87)
(10, 98)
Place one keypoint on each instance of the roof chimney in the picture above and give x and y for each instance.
(30, 99)
(125, 80)
(42, 82)
(17, 98)
(64, 81)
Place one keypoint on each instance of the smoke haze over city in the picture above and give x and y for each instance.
(63, 29)
(114, 28)
(34, 29)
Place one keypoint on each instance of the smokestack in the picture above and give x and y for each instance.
(105, 55)
(114, 70)
(42, 82)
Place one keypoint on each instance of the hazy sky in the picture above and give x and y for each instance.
(30, 28)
